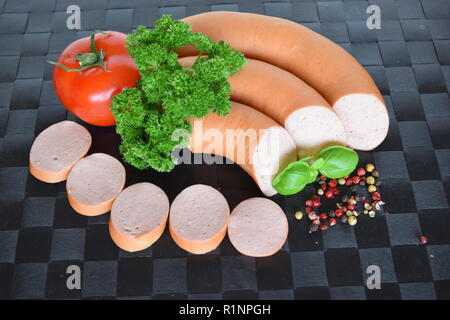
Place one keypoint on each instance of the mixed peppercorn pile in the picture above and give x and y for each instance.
(348, 198)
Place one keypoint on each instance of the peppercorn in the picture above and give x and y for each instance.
(372, 213)
(361, 172)
(341, 181)
(332, 221)
(375, 173)
(320, 192)
(362, 183)
(329, 194)
(315, 197)
(322, 177)
(352, 220)
(317, 221)
(344, 219)
(308, 210)
(344, 198)
(350, 206)
(332, 183)
(336, 191)
(323, 216)
(370, 167)
(349, 182)
(370, 180)
(323, 226)
(423, 240)
(313, 228)
(338, 213)
(317, 204)
(298, 215)
(349, 213)
(376, 196)
(323, 187)
(354, 188)
(312, 216)
(309, 203)
(366, 211)
(351, 201)
(372, 188)
(367, 206)
(358, 198)
(356, 179)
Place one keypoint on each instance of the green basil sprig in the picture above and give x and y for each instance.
(333, 162)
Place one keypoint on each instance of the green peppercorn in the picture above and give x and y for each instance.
(372, 188)
(298, 215)
(370, 180)
(370, 167)
(352, 220)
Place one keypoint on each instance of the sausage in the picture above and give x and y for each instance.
(93, 184)
(289, 101)
(57, 149)
(138, 216)
(321, 63)
(247, 137)
(198, 218)
(258, 227)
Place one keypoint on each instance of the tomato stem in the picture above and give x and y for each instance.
(87, 60)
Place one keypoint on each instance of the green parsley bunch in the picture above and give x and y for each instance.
(168, 94)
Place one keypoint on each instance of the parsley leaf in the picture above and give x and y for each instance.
(168, 94)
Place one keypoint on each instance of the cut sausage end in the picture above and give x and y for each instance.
(314, 128)
(93, 184)
(57, 149)
(365, 119)
(273, 153)
(198, 219)
(258, 227)
(138, 216)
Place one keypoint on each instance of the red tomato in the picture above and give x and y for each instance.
(88, 93)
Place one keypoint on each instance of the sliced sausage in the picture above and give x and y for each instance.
(249, 138)
(258, 227)
(138, 216)
(304, 113)
(57, 149)
(198, 218)
(321, 63)
(94, 182)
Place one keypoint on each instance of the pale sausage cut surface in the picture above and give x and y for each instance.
(249, 138)
(138, 216)
(258, 227)
(287, 99)
(198, 218)
(94, 182)
(57, 149)
(321, 63)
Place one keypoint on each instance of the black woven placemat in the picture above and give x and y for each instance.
(40, 235)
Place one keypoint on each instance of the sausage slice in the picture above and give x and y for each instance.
(138, 216)
(258, 227)
(94, 183)
(198, 219)
(57, 149)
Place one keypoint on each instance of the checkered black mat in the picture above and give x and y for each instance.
(40, 235)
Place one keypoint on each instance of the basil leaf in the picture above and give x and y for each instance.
(338, 161)
(318, 163)
(293, 178)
